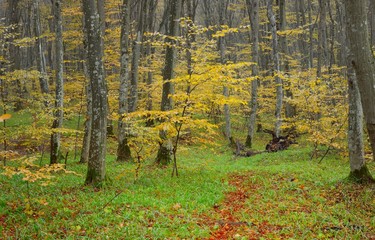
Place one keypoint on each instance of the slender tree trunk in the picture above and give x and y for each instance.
(123, 150)
(371, 14)
(14, 53)
(289, 109)
(59, 92)
(227, 127)
(150, 53)
(40, 57)
(253, 12)
(322, 37)
(97, 153)
(164, 155)
(341, 34)
(311, 38)
(301, 22)
(87, 134)
(363, 62)
(224, 19)
(135, 72)
(276, 68)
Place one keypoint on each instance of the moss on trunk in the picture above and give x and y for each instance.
(361, 176)
(123, 151)
(93, 178)
(164, 155)
(248, 142)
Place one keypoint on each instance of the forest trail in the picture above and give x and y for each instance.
(225, 219)
(263, 205)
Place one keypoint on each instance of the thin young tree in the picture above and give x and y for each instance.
(95, 68)
(59, 91)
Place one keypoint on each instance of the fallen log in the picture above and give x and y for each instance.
(279, 143)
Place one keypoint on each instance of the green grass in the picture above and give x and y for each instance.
(302, 198)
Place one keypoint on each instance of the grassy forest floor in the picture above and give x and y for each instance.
(282, 195)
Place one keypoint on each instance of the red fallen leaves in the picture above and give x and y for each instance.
(229, 226)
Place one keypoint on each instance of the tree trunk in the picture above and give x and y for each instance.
(59, 92)
(363, 62)
(134, 73)
(87, 134)
(371, 14)
(311, 38)
(322, 38)
(355, 128)
(165, 151)
(97, 153)
(150, 54)
(276, 68)
(40, 57)
(123, 150)
(253, 12)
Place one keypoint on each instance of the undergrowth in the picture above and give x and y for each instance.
(297, 196)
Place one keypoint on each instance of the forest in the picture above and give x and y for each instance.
(187, 119)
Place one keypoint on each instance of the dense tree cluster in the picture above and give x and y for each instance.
(149, 73)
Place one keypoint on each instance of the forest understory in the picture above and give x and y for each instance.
(216, 196)
(187, 119)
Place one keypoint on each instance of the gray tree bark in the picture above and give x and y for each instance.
(253, 12)
(150, 52)
(222, 48)
(87, 134)
(40, 56)
(311, 33)
(123, 150)
(322, 38)
(135, 72)
(59, 92)
(276, 68)
(98, 141)
(363, 62)
(164, 155)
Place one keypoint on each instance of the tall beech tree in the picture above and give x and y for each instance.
(276, 68)
(95, 68)
(253, 12)
(40, 56)
(363, 62)
(164, 155)
(123, 150)
(59, 91)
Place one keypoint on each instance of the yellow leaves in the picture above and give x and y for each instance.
(291, 32)
(224, 31)
(5, 117)
(31, 172)
(24, 42)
